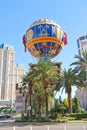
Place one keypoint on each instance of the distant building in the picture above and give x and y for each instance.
(82, 43)
(82, 93)
(9, 74)
(82, 96)
(18, 75)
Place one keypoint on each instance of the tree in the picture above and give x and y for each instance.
(81, 63)
(45, 71)
(81, 68)
(76, 105)
(65, 102)
(28, 80)
(67, 80)
(39, 95)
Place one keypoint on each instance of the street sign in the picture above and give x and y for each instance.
(29, 108)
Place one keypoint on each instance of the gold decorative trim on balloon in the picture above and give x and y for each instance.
(36, 53)
(44, 39)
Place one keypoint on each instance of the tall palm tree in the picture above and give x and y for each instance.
(81, 67)
(66, 81)
(45, 71)
(27, 79)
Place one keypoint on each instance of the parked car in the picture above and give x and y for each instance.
(4, 116)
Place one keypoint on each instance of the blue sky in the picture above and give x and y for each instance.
(16, 17)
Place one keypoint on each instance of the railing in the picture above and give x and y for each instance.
(45, 127)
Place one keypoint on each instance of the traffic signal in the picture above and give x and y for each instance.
(20, 90)
(16, 86)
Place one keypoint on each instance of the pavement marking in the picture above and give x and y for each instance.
(30, 127)
(64, 127)
(83, 127)
(14, 128)
(47, 127)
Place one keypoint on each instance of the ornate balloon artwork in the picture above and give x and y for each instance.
(44, 39)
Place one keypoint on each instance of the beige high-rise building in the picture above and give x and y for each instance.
(9, 74)
(6, 73)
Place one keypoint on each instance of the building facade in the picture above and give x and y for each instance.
(82, 93)
(18, 75)
(82, 96)
(6, 73)
(82, 43)
(9, 74)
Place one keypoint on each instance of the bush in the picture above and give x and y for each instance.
(76, 116)
(62, 120)
(53, 115)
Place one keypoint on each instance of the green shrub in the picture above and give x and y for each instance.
(61, 120)
(53, 115)
(76, 115)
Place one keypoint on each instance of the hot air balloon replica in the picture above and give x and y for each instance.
(44, 39)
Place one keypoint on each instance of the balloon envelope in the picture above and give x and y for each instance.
(45, 38)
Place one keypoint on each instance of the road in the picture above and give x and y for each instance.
(10, 125)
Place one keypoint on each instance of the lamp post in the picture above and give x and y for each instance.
(28, 111)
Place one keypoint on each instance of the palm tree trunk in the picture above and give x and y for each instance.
(39, 109)
(39, 98)
(25, 103)
(46, 99)
(70, 102)
(30, 105)
(30, 96)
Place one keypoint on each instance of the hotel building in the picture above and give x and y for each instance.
(82, 93)
(9, 74)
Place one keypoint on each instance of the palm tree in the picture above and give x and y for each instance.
(81, 62)
(67, 80)
(39, 95)
(29, 81)
(45, 71)
(81, 67)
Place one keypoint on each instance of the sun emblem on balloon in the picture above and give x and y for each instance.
(58, 32)
(30, 34)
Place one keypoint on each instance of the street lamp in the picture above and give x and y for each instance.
(28, 111)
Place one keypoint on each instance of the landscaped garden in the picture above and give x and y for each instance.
(43, 80)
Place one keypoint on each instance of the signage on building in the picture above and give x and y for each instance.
(1, 46)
